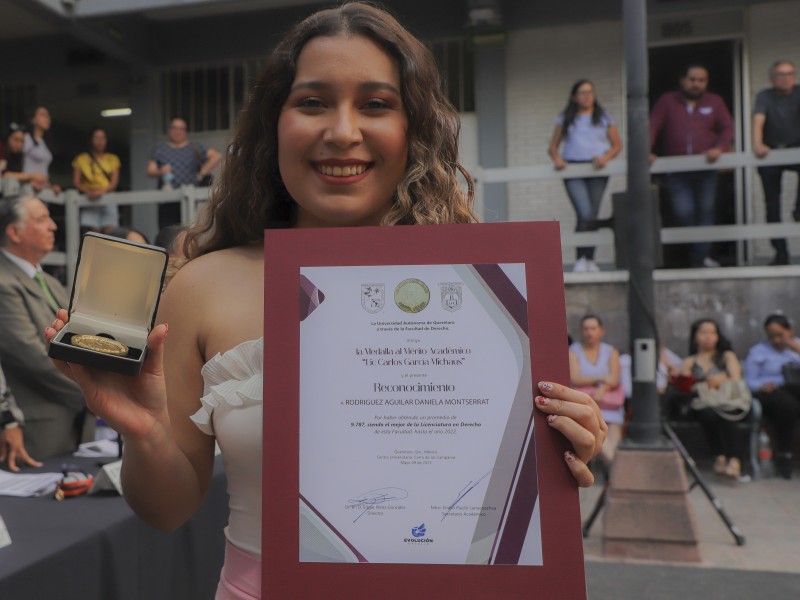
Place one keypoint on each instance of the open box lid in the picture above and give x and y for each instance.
(118, 282)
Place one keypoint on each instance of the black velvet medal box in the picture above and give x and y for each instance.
(115, 295)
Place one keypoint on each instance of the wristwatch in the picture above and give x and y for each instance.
(7, 420)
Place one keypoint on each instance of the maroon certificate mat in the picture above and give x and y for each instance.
(402, 453)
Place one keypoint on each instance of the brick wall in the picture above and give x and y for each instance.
(738, 304)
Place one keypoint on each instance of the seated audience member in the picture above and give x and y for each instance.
(171, 239)
(52, 403)
(12, 421)
(11, 165)
(711, 360)
(129, 234)
(780, 399)
(669, 365)
(594, 367)
(96, 173)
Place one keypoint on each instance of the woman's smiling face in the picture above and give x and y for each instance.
(342, 142)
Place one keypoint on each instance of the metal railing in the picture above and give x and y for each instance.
(672, 164)
(188, 196)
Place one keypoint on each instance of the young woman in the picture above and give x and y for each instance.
(780, 400)
(96, 173)
(595, 367)
(37, 155)
(346, 126)
(589, 135)
(12, 164)
(712, 360)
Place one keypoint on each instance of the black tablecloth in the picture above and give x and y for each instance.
(94, 547)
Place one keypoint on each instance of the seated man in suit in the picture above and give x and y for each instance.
(53, 405)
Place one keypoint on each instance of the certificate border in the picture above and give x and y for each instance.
(537, 245)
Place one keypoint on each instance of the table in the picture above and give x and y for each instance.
(95, 547)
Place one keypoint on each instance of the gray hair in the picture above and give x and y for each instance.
(12, 212)
(777, 64)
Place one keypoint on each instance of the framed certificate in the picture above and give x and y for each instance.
(402, 452)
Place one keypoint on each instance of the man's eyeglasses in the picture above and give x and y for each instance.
(784, 73)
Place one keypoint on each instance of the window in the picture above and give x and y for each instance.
(457, 66)
(208, 97)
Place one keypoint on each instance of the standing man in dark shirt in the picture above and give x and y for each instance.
(776, 124)
(692, 120)
(187, 163)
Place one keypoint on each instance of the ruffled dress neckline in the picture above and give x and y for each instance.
(234, 377)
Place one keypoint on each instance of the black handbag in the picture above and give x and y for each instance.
(791, 374)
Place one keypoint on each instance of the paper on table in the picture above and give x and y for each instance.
(5, 537)
(98, 449)
(27, 484)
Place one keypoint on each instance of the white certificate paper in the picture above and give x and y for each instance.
(415, 414)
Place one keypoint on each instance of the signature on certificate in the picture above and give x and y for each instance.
(464, 491)
(377, 497)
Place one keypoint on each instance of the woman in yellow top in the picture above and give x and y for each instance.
(96, 173)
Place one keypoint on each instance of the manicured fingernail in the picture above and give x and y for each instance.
(551, 418)
(54, 324)
(569, 456)
(547, 387)
(542, 401)
(166, 333)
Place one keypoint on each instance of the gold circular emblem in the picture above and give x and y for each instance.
(412, 295)
(100, 344)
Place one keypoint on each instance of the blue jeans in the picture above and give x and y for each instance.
(771, 179)
(585, 194)
(692, 196)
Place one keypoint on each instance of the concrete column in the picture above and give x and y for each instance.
(145, 131)
(490, 105)
(648, 515)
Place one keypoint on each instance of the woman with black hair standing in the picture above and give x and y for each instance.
(589, 135)
(37, 155)
(764, 372)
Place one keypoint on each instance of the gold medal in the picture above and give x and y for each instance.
(100, 344)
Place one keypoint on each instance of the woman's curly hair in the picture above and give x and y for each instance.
(250, 195)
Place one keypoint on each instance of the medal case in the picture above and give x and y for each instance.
(115, 294)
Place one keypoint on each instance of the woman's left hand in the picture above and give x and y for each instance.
(577, 417)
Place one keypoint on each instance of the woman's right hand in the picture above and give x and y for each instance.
(559, 163)
(133, 406)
